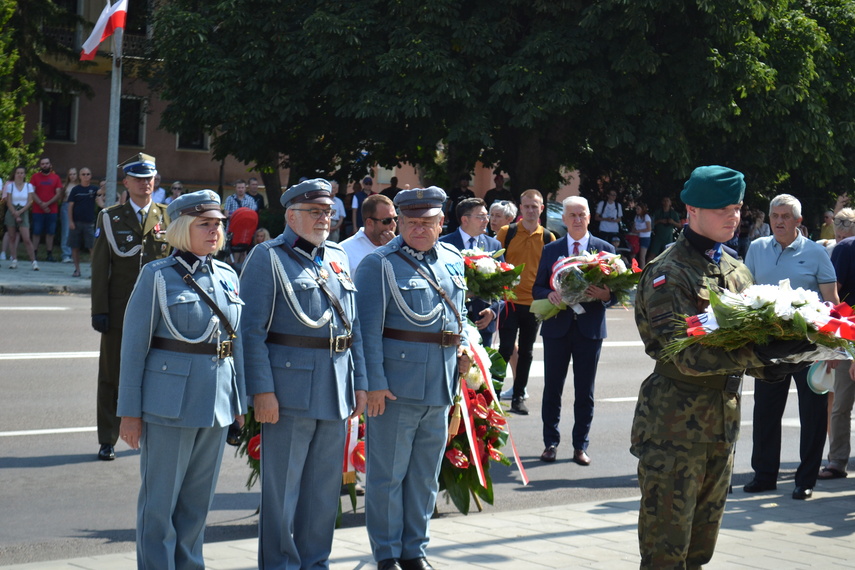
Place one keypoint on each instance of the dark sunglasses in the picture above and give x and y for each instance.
(384, 221)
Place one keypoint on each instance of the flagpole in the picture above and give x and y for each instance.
(113, 126)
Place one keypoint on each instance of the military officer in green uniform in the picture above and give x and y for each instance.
(127, 236)
(688, 412)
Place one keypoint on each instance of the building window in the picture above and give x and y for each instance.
(132, 121)
(196, 140)
(59, 117)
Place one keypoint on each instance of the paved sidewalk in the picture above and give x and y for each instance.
(768, 531)
(52, 277)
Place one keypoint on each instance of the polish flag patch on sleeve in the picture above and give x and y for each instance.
(659, 281)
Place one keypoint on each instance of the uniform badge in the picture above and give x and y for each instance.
(324, 274)
(459, 280)
(129, 238)
(97, 232)
(115, 218)
(659, 281)
(230, 289)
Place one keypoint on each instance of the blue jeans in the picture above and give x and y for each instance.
(63, 221)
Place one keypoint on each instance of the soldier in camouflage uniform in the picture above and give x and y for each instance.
(687, 416)
(123, 244)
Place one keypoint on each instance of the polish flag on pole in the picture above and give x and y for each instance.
(111, 18)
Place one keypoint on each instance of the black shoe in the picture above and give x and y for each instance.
(389, 564)
(106, 453)
(519, 407)
(801, 493)
(50, 257)
(416, 564)
(757, 486)
(233, 436)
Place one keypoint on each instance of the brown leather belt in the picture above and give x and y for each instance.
(338, 344)
(221, 350)
(724, 382)
(444, 338)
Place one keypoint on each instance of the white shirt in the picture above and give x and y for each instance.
(357, 247)
(158, 195)
(466, 237)
(583, 244)
(338, 209)
(16, 197)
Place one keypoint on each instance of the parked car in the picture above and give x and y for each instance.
(554, 223)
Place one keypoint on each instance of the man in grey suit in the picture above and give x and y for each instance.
(411, 295)
(303, 355)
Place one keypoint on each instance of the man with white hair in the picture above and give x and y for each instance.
(787, 254)
(576, 333)
(843, 260)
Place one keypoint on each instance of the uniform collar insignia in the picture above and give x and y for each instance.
(190, 262)
(420, 255)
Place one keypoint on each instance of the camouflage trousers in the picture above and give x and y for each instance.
(684, 488)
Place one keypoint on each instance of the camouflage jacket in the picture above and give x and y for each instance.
(675, 284)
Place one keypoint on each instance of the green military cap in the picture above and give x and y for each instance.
(713, 187)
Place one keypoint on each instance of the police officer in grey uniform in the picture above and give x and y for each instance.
(181, 382)
(306, 373)
(411, 295)
(127, 236)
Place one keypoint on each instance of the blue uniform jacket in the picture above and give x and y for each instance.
(308, 382)
(592, 323)
(175, 388)
(415, 372)
(475, 305)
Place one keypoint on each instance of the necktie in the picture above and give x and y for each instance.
(142, 217)
(575, 248)
(471, 243)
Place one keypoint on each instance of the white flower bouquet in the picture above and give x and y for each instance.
(571, 276)
(488, 278)
(763, 313)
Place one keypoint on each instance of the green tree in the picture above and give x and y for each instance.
(15, 93)
(42, 32)
(639, 91)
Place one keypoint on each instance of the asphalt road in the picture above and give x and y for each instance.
(57, 501)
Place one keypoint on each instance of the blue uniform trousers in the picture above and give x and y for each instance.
(179, 468)
(585, 353)
(301, 460)
(404, 448)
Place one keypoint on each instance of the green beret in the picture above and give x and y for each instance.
(713, 187)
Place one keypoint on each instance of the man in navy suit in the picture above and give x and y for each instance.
(576, 333)
(473, 218)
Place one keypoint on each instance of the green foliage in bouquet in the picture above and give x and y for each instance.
(458, 476)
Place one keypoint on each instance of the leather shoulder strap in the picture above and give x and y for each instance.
(323, 285)
(436, 286)
(182, 271)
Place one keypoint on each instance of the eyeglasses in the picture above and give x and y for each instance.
(844, 223)
(85, 174)
(384, 221)
(316, 213)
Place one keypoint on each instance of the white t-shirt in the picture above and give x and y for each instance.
(338, 209)
(18, 197)
(644, 222)
(357, 247)
(606, 210)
